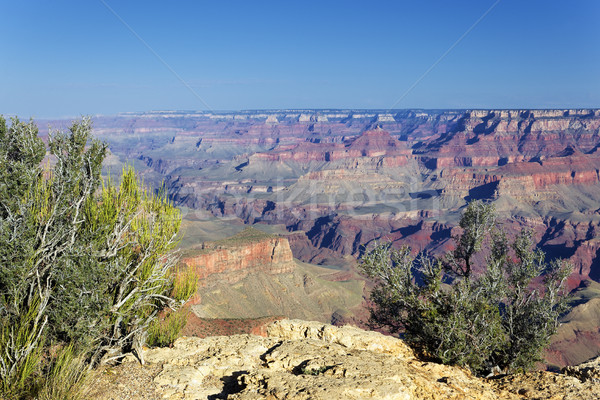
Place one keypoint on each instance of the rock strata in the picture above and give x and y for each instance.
(236, 257)
(342, 179)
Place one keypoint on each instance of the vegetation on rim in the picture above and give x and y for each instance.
(497, 315)
(83, 264)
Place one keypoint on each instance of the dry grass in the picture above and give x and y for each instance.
(67, 378)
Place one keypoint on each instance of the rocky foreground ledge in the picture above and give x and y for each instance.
(311, 360)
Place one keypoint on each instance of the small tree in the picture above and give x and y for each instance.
(81, 262)
(500, 314)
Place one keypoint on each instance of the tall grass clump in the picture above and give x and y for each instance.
(21, 353)
(167, 328)
(67, 377)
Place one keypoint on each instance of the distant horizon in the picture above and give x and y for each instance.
(274, 110)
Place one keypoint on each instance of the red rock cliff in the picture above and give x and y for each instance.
(234, 258)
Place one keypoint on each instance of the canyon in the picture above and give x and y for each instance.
(336, 181)
(253, 274)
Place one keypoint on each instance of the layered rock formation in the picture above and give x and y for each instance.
(232, 259)
(371, 143)
(308, 360)
(346, 178)
(253, 274)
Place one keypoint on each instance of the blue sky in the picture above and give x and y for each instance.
(68, 58)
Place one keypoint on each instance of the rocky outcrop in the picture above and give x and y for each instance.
(309, 360)
(253, 275)
(588, 371)
(232, 259)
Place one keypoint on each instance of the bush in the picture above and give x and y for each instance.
(165, 330)
(82, 261)
(499, 314)
(185, 283)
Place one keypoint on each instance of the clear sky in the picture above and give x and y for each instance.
(67, 58)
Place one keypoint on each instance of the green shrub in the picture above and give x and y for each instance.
(82, 262)
(185, 283)
(164, 331)
(495, 315)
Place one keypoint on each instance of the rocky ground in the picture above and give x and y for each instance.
(310, 360)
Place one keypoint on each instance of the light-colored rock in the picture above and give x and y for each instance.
(586, 372)
(195, 368)
(347, 336)
(385, 118)
(312, 369)
(310, 360)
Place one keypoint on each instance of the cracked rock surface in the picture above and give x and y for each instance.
(311, 360)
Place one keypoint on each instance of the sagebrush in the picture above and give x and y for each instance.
(498, 313)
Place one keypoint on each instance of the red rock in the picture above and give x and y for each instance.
(232, 262)
(373, 143)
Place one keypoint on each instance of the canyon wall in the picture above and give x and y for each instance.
(345, 178)
(232, 260)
